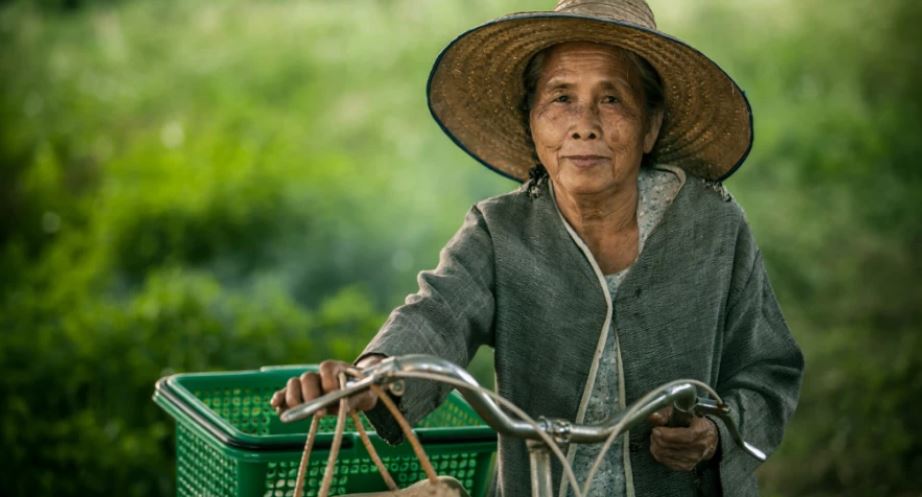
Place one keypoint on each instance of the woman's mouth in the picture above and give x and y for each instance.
(584, 161)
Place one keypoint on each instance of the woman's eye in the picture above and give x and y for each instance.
(610, 99)
(562, 98)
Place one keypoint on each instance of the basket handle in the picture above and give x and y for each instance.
(338, 437)
(382, 469)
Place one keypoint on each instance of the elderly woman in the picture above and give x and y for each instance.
(621, 262)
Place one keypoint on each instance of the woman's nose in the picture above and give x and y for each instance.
(586, 125)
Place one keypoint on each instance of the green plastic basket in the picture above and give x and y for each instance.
(229, 441)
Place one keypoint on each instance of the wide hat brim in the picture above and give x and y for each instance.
(475, 92)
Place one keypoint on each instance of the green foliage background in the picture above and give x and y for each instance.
(191, 186)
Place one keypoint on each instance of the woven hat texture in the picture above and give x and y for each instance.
(476, 88)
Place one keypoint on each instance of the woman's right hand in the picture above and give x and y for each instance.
(310, 386)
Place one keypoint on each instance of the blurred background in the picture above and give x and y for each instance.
(198, 186)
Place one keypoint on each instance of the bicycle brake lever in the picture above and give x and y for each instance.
(722, 411)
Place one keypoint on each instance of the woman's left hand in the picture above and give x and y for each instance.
(681, 448)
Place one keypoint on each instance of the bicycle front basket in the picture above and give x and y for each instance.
(230, 443)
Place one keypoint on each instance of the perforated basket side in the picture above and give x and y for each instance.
(206, 469)
(202, 469)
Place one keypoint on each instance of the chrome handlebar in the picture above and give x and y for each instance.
(392, 371)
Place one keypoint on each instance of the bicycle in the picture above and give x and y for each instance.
(543, 436)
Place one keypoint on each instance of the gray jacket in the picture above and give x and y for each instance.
(696, 304)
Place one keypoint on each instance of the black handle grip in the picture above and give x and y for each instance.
(680, 418)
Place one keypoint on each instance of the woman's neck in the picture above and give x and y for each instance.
(606, 223)
(593, 214)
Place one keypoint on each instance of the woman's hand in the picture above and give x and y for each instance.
(310, 386)
(680, 448)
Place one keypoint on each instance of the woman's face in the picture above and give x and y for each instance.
(588, 119)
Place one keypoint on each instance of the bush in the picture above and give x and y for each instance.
(81, 408)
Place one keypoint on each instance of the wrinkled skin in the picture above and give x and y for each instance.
(591, 128)
(682, 449)
(309, 386)
(589, 122)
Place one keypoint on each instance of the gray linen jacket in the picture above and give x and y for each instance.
(696, 304)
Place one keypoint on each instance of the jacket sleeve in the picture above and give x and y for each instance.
(761, 366)
(450, 316)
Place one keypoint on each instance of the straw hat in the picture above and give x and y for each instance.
(476, 87)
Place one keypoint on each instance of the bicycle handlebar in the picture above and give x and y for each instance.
(682, 394)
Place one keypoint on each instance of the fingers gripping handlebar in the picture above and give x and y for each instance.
(710, 407)
(392, 370)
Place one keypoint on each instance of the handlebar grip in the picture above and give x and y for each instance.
(680, 418)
